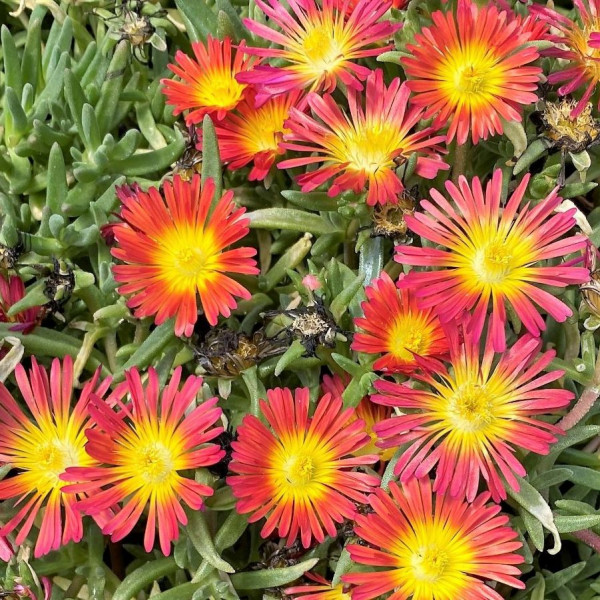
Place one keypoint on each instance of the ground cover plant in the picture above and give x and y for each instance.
(299, 299)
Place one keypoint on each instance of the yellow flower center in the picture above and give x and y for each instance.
(371, 148)
(55, 455)
(263, 127)
(471, 79)
(219, 88)
(409, 333)
(155, 462)
(189, 261)
(471, 408)
(429, 563)
(471, 75)
(299, 470)
(494, 262)
(186, 255)
(321, 49)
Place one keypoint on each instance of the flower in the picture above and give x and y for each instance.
(254, 134)
(141, 447)
(394, 325)
(576, 43)
(318, 45)
(175, 251)
(297, 470)
(433, 547)
(470, 418)
(12, 290)
(493, 255)
(368, 412)
(40, 444)
(472, 70)
(365, 148)
(208, 84)
(324, 590)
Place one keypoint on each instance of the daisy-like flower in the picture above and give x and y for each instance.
(471, 418)
(492, 256)
(363, 149)
(321, 590)
(208, 84)
(12, 290)
(472, 70)
(318, 45)
(576, 41)
(140, 448)
(297, 471)
(368, 412)
(175, 252)
(395, 326)
(40, 443)
(254, 135)
(433, 547)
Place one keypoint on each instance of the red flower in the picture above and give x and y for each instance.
(141, 448)
(297, 470)
(208, 84)
(362, 150)
(470, 418)
(433, 547)
(176, 252)
(396, 327)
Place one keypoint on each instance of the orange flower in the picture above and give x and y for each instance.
(176, 252)
(472, 70)
(393, 324)
(298, 470)
(253, 134)
(208, 84)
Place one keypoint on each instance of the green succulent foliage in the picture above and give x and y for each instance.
(81, 112)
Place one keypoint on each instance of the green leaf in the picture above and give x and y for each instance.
(200, 16)
(535, 150)
(589, 478)
(317, 201)
(289, 219)
(562, 577)
(567, 524)
(202, 540)
(296, 350)
(211, 161)
(533, 502)
(112, 86)
(258, 580)
(143, 577)
(340, 303)
(150, 348)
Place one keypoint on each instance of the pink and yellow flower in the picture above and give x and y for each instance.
(470, 418)
(472, 70)
(176, 252)
(319, 45)
(576, 42)
(140, 449)
(491, 256)
(395, 326)
(208, 84)
(362, 150)
(297, 471)
(433, 547)
(40, 444)
(12, 290)
(253, 135)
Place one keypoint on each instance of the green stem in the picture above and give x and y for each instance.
(459, 166)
